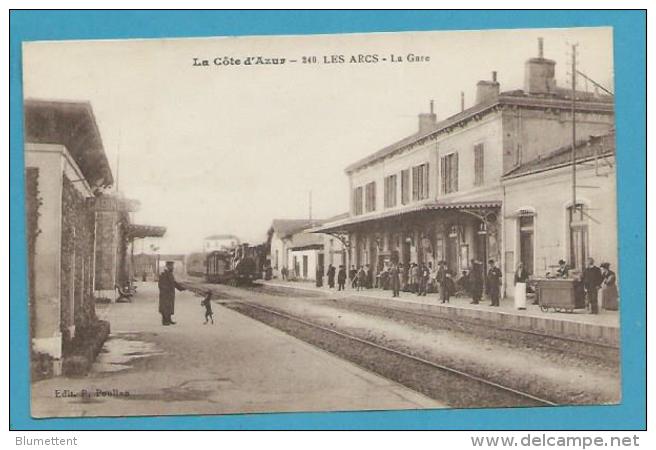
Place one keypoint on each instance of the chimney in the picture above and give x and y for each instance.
(540, 73)
(462, 101)
(487, 90)
(428, 121)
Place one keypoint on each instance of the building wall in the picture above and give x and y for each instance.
(487, 131)
(58, 279)
(312, 257)
(280, 246)
(549, 195)
(77, 250)
(334, 252)
(106, 243)
(536, 132)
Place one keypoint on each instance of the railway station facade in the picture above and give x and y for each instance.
(439, 194)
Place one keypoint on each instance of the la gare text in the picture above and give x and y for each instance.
(324, 59)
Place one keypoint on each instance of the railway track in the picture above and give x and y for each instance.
(600, 352)
(605, 354)
(446, 384)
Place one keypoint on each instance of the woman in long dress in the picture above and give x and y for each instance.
(608, 291)
(521, 276)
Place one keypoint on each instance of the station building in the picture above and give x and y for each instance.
(439, 193)
(77, 233)
(65, 165)
(540, 225)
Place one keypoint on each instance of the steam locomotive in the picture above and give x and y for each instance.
(239, 266)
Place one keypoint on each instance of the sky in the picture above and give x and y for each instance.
(227, 149)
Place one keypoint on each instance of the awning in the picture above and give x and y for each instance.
(345, 224)
(143, 231)
(73, 125)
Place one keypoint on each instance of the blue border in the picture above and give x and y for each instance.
(630, 71)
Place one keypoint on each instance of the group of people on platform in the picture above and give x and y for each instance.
(420, 279)
(595, 284)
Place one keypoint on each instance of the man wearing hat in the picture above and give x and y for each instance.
(493, 283)
(563, 270)
(167, 286)
(592, 280)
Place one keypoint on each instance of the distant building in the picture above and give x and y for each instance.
(280, 236)
(334, 250)
(305, 255)
(115, 237)
(438, 194)
(220, 242)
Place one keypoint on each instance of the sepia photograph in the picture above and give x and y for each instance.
(329, 222)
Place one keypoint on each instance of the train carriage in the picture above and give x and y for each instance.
(196, 264)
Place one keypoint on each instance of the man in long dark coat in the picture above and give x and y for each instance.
(341, 278)
(592, 280)
(167, 286)
(394, 280)
(331, 276)
(493, 284)
(443, 280)
(476, 281)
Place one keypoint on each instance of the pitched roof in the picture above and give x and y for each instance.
(602, 145)
(287, 227)
(73, 125)
(560, 98)
(304, 240)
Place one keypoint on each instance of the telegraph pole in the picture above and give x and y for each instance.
(574, 46)
(310, 206)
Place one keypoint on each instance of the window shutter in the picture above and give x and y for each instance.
(443, 173)
(414, 183)
(455, 172)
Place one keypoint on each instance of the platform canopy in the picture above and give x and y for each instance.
(73, 125)
(480, 207)
(143, 231)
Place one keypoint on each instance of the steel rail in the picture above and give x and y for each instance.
(405, 355)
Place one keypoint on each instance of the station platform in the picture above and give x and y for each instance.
(237, 365)
(580, 325)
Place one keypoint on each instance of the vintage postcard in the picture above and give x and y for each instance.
(348, 222)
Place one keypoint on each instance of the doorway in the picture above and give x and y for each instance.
(526, 242)
(305, 266)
